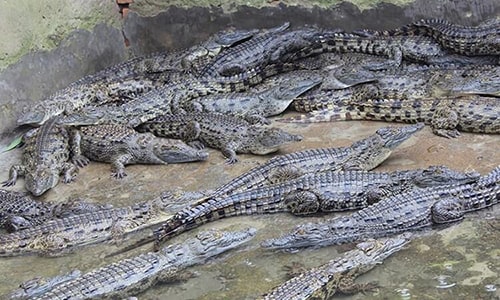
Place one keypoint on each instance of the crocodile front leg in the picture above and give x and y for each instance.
(76, 154)
(118, 165)
(15, 171)
(302, 203)
(444, 122)
(230, 152)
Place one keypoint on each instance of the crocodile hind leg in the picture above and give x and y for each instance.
(76, 153)
(302, 203)
(15, 171)
(444, 122)
(447, 210)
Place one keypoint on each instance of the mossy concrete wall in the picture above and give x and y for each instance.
(48, 44)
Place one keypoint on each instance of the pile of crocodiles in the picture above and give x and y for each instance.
(165, 108)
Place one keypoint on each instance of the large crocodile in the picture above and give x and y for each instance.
(412, 210)
(230, 134)
(226, 132)
(256, 105)
(323, 192)
(63, 235)
(447, 116)
(133, 275)
(364, 154)
(483, 39)
(121, 145)
(45, 157)
(338, 274)
(20, 211)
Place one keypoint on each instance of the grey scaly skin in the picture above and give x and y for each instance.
(121, 145)
(323, 192)
(45, 157)
(447, 116)
(338, 274)
(20, 211)
(244, 56)
(408, 211)
(94, 88)
(168, 98)
(230, 134)
(256, 105)
(40, 285)
(133, 275)
(483, 39)
(420, 49)
(364, 154)
(60, 236)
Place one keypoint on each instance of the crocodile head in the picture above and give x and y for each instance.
(280, 96)
(441, 175)
(206, 244)
(371, 252)
(41, 180)
(39, 115)
(305, 235)
(268, 140)
(176, 151)
(87, 116)
(375, 149)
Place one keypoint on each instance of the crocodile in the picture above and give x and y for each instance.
(324, 192)
(121, 145)
(255, 106)
(230, 134)
(468, 40)
(45, 157)
(164, 99)
(447, 116)
(338, 274)
(133, 275)
(233, 60)
(364, 154)
(421, 49)
(60, 236)
(415, 209)
(20, 211)
(93, 88)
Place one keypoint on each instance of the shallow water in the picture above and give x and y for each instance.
(457, 262)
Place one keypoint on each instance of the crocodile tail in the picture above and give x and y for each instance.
(326, 115)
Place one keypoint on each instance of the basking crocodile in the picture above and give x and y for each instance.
(45, 157)
(165, 99)
(122, 145)
(247, 53)
(324, 192)
(94, 87)
(20, 211)
(446, 116)
(483, 39)
(420, 49)
(338, 275)
(364, 154)
(230, 134)
(255, 106)
(133, 275)
(59, 236)
(407, 211)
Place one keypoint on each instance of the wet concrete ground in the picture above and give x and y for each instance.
(465, 255)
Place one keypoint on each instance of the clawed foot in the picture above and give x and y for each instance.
(119, 174)
(447, 133)
(80, 160)
(9, 182)
(231, 160)
(69, 178)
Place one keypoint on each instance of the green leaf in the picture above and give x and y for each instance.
(15, 143)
